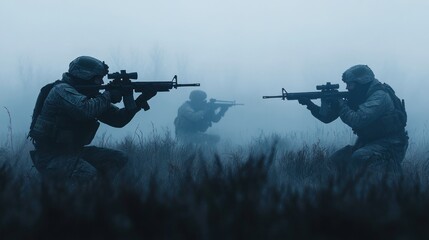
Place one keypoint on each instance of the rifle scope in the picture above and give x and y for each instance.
(122, 75)
(328, 86)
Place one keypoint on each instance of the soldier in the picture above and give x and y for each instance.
(375, 114)
(195, 116)
(66, 118)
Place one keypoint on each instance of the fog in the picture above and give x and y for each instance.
(237, 50)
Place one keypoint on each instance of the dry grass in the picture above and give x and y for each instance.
(262, 189)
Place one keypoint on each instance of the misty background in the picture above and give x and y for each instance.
(237, 50)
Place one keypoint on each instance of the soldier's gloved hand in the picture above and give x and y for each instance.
(149, 93)
(200, 115)
(332, 103)
(342, 103)
(127, 92)
(307, 102)
(223, 110)
(304, 101)
(141, 100)
(115, 95)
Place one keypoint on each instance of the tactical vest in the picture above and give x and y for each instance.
(184, 125)
(391, 124)
(60, 130)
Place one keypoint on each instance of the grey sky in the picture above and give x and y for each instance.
(236, 49)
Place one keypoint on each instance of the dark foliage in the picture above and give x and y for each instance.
(171, 191)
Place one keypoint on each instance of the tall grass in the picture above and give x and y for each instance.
(261, 189)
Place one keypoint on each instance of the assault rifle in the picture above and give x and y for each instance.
(122, 80)
(214, 104)
(327, 90)
(222, 103)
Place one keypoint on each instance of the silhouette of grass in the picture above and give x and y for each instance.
(171, 191)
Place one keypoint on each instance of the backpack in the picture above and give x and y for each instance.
(44, 91)
(389, 124)
(398, 103)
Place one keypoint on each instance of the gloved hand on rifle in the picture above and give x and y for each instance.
(342, 105)
(332, 103)
(128, 99)
(304, 101)
(141, 100)
(307, 102)
(115, 95)
(223, 110)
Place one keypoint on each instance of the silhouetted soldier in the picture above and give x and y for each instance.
(376, 115)
(195, 116)
(65, 121)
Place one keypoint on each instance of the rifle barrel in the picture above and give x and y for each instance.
(279, 96)
(188, 85)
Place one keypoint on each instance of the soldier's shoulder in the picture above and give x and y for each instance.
(186, 104)
(377, 89)
(64, 88)
(379, 94)
(65, 91)
(185, 108)
(381, 97)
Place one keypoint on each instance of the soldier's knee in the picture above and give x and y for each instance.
(84, 172)
(375, 162)
(360, 158)
(122, 158)
(117, 160)
(341, 158)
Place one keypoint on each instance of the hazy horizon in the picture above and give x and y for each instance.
(237, 50)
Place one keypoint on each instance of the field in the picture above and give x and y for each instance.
(262, 189)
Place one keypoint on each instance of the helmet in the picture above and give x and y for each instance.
(86, 68)
(197, 96)
(360, 74)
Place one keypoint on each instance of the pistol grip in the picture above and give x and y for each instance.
(145, 106)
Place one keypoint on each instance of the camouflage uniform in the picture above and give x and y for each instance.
(194, 117)
(67, 123)
(376, 120)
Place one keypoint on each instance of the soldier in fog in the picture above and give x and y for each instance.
(375, 114)
(66, 118)
(195, 116)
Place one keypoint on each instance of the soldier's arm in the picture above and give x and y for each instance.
(187, 112)
(119, 117)
(326, 113)
(375, 106)
(216, 117)
(80, 106)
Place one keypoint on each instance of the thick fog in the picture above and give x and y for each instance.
(237, 50)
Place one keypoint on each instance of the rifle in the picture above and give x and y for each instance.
(214, 104)
(327, 90)
(222, 103)
(122, 80)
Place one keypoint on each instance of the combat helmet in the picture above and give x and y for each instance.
(197, 96)
(86, 68)
(360, 74)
